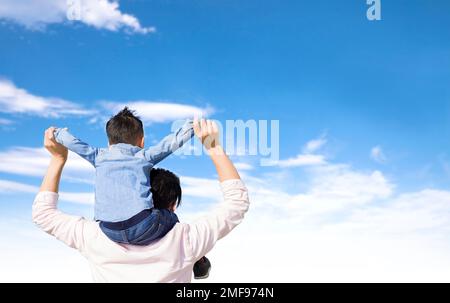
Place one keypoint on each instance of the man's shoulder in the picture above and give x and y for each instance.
(180, 232)
(91, 228)
(181, 227)
(93, 237)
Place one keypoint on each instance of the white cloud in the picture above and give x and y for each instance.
(346, 226)
(160, 112)
(241, 166)
(323, 192)
(200, 188)
(423, 211)
(101, 14)
(50, 260)
(16, 187)
(33, 13)
(307, 158)
(5, 122)
(29, 161)
(298, 253)
(302, 160)
(80, 198)
(378, 155)
(10, 187)
(333, 188)
(15, 100)
(18, 101)
(314, 145)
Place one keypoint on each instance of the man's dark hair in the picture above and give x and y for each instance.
(125, 127)
(165, 188)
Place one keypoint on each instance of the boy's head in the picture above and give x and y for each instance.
(125, 127)
(165, 188)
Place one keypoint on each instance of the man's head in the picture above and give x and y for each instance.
(165, 188)
(125, 127)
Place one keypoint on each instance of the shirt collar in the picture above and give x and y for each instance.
(124, 147)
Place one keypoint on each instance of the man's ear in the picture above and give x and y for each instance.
(173, 208)
(142, 143)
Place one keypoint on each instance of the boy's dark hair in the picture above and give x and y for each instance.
(165, 188)
(125, 127)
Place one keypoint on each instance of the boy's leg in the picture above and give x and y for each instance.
(153, 227)
(117, 236)
(141, 229)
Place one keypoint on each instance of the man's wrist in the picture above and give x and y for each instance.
(59, 160)
(216, 151)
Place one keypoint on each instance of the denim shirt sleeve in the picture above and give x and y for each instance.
(170, 144)
(75, 145)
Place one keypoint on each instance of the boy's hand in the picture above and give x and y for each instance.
(208, 133)
(57, 150)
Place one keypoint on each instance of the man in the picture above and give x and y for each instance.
(172, 258)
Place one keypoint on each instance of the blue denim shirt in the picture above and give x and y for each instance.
(122, 177)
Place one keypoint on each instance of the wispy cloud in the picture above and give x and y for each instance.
(200, 187)
(100, 14)
(401, 239)
(159, 112)
(16, 187)
(348, 225)
(335, 187)
(9, 187)
(342, 219)
(78, 197)
(308, 156)
(315, 145)
(16, 100)
(33, 162)
(327, 190)
(302, 160)
(243, 166)
(5, 122)
(378, 155)
(422, 211)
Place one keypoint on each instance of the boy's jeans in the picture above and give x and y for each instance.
(143, 228)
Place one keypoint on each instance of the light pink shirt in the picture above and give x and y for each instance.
(170, 259)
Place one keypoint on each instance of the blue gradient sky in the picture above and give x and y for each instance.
(319, 67)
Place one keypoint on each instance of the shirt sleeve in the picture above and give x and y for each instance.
(170, 143)
(66, 228)
(84, 150)
(204, 233)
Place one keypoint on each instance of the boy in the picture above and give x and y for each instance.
(123, 199)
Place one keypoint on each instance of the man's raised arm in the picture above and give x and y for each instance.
(68, 229)
(206, 231)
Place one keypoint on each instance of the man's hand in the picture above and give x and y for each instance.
(57, 150)
(208, 133)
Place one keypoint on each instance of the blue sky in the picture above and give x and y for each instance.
(319, 67)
